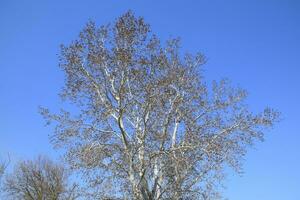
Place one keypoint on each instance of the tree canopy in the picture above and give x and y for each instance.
(39, 179)
(148, 126)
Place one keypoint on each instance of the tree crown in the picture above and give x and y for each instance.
(148, 124)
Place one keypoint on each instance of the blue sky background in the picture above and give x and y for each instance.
(256, 44)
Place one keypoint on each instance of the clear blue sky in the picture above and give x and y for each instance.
(254, 43)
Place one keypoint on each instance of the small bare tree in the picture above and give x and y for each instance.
(3, 165)
(38, 180)
(147, 124)
(2, 169)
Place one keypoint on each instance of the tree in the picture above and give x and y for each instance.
(146, 125)
(40, 179)
(2, 169)
(3, 166)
